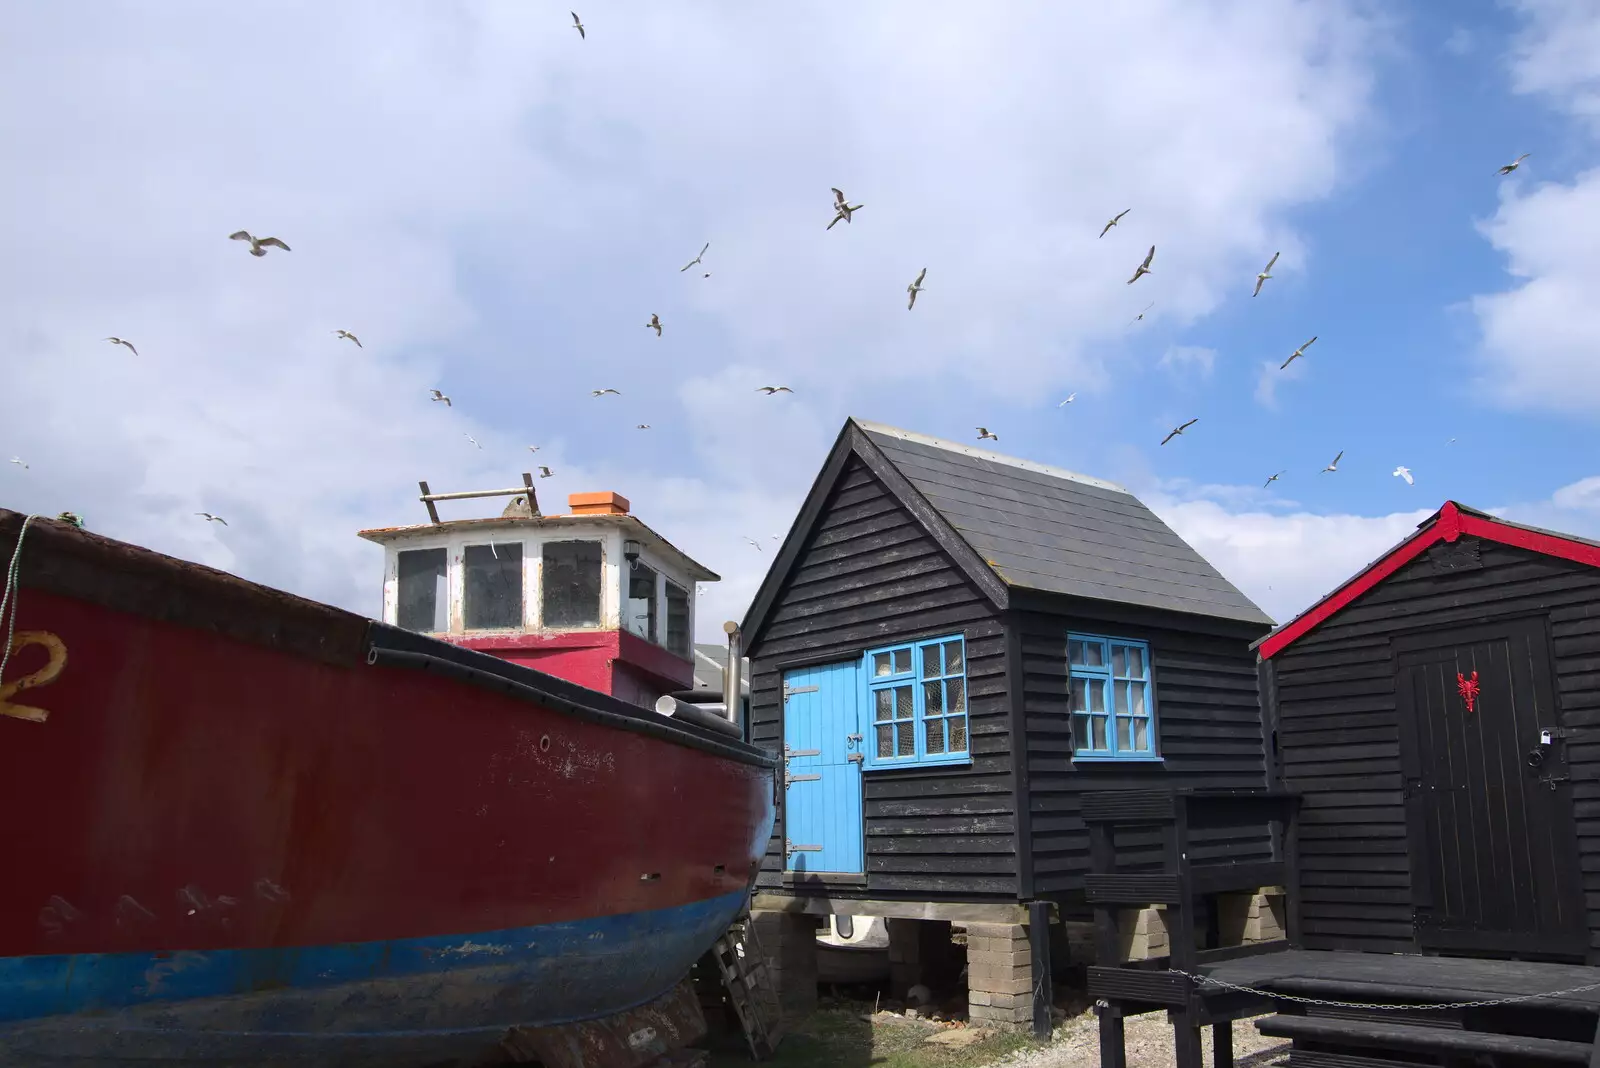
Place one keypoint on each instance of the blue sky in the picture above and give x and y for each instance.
(496, 207)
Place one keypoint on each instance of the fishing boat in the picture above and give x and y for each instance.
(245, 828)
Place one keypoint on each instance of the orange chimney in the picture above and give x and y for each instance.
(602, 503)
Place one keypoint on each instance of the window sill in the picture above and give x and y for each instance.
(963, 760)
(1117, 758)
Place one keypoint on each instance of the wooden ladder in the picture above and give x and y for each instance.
(749, 985)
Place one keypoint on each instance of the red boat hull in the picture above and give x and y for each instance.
(225, 769)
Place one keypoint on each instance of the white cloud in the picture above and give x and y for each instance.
(496, 206)
(1558, 53)
(1271, 377)
(1181, 359)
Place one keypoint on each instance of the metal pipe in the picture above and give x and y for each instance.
(512, 492)
(731, 690)
(670, 706)
(699, 697)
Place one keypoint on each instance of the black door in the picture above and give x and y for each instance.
(1494, 863)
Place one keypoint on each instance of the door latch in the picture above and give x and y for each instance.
(856, 758)
(853, 738)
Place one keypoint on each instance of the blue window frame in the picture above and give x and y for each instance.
(1111, 698)
(917, 700)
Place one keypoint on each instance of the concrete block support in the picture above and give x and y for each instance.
(1000, 975)
(789, 942)
(1245, 919)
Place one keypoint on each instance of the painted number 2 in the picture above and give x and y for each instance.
(57, 652)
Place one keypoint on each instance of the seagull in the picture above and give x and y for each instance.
(753, 541)
(642, 426)
(1405, 473)
(472, 439)
(842, 209)
(1266, 273)
(258, 245)
(1296, 354)
(984, 433)
(533, 448)
(578, 25)
(1334, 466)
(603, 392)
(348, 336)
(770, 390)
(441, 397)
(124, 342)
(1068, 401)
(1116, 219)
(654, 324)
(1514, 164)
(1140, 316)
(1175, 431)
(694, 261)
(544, 472)
(914, 288)
(1271, 480)
(209, 518)
(1144, 268)
(1452, 441)
(18, 461)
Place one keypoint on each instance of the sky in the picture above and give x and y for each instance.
(496, 206)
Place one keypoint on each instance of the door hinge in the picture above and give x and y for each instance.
(856, 758)
(1551, 780)
(790, 691)
(789, 754)
(789, 848)
(790, 780)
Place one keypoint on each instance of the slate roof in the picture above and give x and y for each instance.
(1044, 528)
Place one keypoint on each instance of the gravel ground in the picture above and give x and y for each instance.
(1076, 1044)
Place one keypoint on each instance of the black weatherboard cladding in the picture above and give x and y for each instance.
(1339, 733)
(1074, 536)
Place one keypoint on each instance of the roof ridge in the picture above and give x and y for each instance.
(986, 454)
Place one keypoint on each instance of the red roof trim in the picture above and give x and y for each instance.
(1449, 525)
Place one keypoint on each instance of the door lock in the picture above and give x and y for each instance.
(852, 740)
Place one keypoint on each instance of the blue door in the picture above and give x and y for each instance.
(822, 752)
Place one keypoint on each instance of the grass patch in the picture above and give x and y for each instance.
(840, 1035)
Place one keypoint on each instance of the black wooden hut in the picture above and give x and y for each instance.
(952, 646)
(1438, 713)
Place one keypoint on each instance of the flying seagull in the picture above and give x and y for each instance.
(1405, 473)
(1144, 268)
(985, 433)
(1452, 441)
(1266, 273)
(1175, 431)
(642, 426)
(1296, 354)
(209, 518)
(441, 397)
(770, 390)
(654, 324)
(1068, 401)
(1271, 480)
(533, 448)
(1514, 164)
(914, 288)
(348, 336)
(258, 245)
(18, 461)
(472, 439)
(694, 261)
(842, 209)
(1334, 466)
(603, 392)
(578, 25)
(753, 541)
(1140, 316)
(1115, 219)
(124, 342)
(544, 472)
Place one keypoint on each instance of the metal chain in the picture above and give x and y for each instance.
(1384, 1006)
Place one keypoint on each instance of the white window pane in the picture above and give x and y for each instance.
(1075, 652)
(1141, 735)
(884, 709)
(880, 665)
(932, 661)
(902, 661)
(958, 734)
(905, 737)
(1078, 700)
(1094, 654)
(1097, 695)
(955, 694)
(1097, 725)
(1119, 660)
(1119, 696)
(1124, 734)
(903, 702)
(1136, 667)
(1136, 698)
(954, 662)
(886, 740)
(933, 698)
(933, 736)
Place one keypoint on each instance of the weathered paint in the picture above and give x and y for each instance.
(611, 661)
(244, 784)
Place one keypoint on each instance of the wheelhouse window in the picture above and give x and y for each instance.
(422, 601)
(1111, 699)
(678, 620)
(491, 596)
(917, 695)
(571, 584)
(640, 615)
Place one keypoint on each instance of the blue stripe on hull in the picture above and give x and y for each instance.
(391, 1003)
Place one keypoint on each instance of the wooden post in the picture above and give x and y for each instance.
(433, 512)
(1291, 873)
(1185, 1028)
(1103, 861)
(1222, 1044)
(1039, 941)
(1113, 1044)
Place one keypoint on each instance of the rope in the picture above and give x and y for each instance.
(1206, 980)
(13, 594)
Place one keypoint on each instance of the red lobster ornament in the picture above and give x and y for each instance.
(1468, 688)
